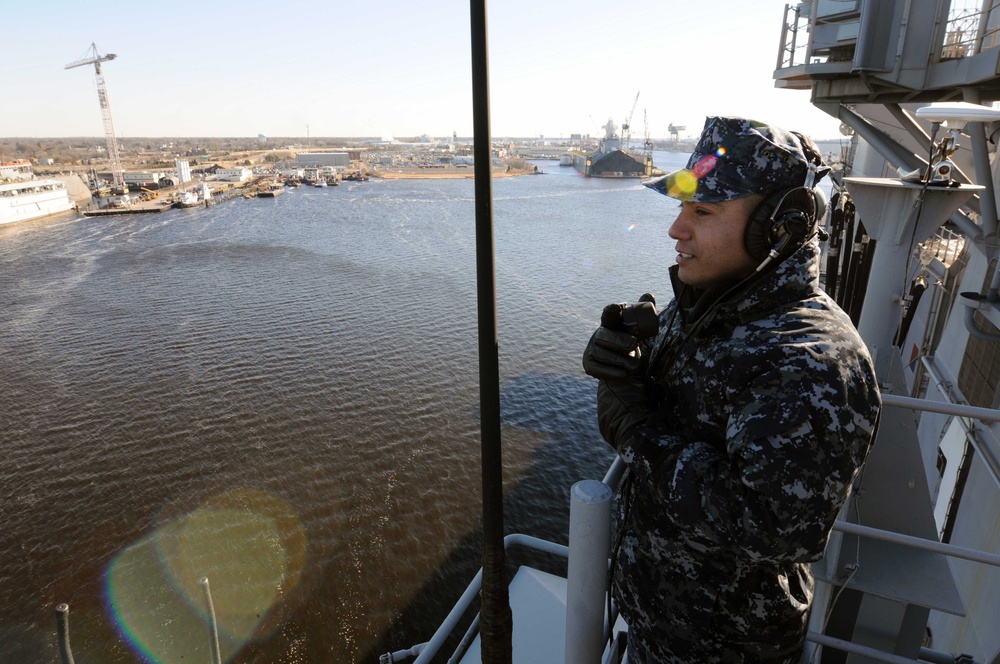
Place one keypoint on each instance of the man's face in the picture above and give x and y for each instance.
(710, 248)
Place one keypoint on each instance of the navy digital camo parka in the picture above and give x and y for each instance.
(764, 412)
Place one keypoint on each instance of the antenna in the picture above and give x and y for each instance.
(93, 57)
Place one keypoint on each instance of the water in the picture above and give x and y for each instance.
(281, 395)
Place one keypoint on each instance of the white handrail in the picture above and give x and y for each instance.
(919, 543)
(428, 650)
(431, 648)
(587, 571)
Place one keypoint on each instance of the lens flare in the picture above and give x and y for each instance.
(705, 165)
(682, 185)
(251, 547)
(631, 228)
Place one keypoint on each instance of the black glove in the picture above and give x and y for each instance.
(622, 406)
(611, 355)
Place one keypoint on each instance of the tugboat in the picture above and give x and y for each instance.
(200, 196)
(187, 199)
(271, 190)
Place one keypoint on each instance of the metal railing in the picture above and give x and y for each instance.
(66, 650)
(794, 43)
(946, 246)
(426, 651)
(966, 31)
(919, 543)
(926, 654)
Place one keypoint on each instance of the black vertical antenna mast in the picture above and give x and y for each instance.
(495, 625)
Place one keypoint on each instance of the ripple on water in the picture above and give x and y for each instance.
(178, 384)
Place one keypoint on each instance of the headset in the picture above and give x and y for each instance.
(782, 223)
(788, 218)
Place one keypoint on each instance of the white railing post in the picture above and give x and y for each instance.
(587, 575)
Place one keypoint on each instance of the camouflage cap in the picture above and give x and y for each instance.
(736, 157)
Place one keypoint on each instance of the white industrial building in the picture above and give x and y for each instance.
(135, 179)
(183, 171)
(234, 174)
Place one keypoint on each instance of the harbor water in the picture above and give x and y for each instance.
(281, 396)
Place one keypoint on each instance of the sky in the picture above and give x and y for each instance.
(392, 68)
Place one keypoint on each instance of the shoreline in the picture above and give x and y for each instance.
(442, 176)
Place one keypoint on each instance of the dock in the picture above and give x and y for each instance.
(223, 191)
(111, 212)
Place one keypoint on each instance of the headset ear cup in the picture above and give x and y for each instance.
(759, 228)
(798, 216)
(795, 215)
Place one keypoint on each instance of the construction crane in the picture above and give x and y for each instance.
(626, 126)
(93, 57)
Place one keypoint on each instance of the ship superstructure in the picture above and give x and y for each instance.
(613, 158)
(913, 258)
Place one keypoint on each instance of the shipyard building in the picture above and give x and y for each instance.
(334, 159)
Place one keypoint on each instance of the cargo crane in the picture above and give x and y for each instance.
(647, 143)
(626, 126)
(93, 57)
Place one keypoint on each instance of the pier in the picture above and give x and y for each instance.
(165, 199)
(111, 212)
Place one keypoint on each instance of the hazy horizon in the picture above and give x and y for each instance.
(400, 139)
(202, 70)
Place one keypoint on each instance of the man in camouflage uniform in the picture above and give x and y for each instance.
(743, 422)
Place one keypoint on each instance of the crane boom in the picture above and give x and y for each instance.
(93, 57)
(626, 126)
